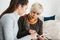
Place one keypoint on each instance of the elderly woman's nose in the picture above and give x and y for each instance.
(34, 15)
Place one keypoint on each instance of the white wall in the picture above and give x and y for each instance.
(3, 5)
(51, 7)
(58, 10)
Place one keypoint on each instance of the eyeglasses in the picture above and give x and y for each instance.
(36, 13)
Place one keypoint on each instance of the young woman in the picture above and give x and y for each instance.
(30, 24)
(10, 17)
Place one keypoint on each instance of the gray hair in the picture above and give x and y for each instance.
(37, 7)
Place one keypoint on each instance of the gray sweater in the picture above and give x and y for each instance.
(10, 26)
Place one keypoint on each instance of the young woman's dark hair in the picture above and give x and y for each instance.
(14, 5)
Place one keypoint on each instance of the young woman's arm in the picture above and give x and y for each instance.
(7, 24)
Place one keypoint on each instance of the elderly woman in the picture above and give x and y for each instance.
(30, 25)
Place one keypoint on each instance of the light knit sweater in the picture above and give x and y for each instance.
(10, 26)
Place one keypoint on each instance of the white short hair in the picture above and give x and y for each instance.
(37, 7)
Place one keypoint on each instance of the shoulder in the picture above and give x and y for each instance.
(6, 18)
(22, 17)
(9, 16)
(40, 22)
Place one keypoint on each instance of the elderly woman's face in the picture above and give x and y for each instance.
(34, 15)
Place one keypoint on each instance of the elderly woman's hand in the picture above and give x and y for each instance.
(41, 37)
(33, 34)
(32, 31)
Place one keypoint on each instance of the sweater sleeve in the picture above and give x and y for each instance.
(40, 27)
(22, 30)
(7, 24)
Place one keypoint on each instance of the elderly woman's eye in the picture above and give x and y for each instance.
(34, 12)
(38, 13)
